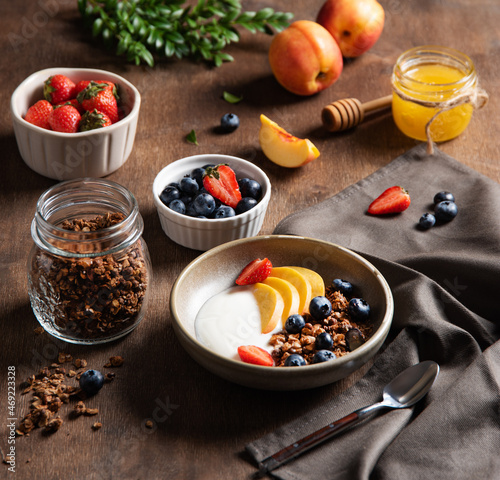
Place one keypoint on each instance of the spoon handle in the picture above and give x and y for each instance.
(300, 446)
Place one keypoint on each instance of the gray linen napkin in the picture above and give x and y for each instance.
(446, 287)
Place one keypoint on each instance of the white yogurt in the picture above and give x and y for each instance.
(231, 319)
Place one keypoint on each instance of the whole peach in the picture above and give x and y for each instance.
(356, 25)
(305, 58)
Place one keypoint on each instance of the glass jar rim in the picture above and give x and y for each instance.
(436, 54)
(49, 235)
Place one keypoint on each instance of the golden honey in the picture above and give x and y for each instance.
(436, 85)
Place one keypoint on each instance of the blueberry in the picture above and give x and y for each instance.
(250, 188)
(91, 381)
(324, 341)
(320, 307)
(343, 286)
(427, 220)
(203, 204)
(353, 339)
(174, 184)
(323, 356)
(359, 309)
(245, 204)
(197, 174)
(294, 323)
(442, 196)
(177, 206)
(294, 360)
(169, 193)
(229, 122)
(189, 185)
(445, 211)
(224, 211)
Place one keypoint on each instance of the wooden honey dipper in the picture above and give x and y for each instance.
(349, 112)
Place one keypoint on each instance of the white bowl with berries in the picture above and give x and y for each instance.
(75, 122)
(281, 312)
(209, 199)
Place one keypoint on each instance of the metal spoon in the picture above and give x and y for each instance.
(403, 391)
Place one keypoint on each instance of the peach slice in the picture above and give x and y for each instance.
(289, 293)
(283, 148)
(270, 304)
(298, 281)
(315, 279)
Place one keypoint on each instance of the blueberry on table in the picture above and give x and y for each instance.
(229, 122)
(203, 204)
(177, 206)
(91, 381)
(294, 323)
(427, 220)
(320, 307)
(445, 211)
(250, 188)
(353, 339)
(324, 341)
(323, 356)
(359, 309)
(189, 185)
(343, 286)
(442, 196)
(224, 211)
(294, 360)
(245, 204)
(169, 194)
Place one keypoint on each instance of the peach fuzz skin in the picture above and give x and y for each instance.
(304, 58)
(355, 25)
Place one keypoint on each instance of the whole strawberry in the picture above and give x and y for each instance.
(73, 102)
(94, 119)
(98, 96)
(58, 88)
(65, 118)
(39, 113)
(83, 84)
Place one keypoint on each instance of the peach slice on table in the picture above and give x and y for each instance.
(288, 292)
(298, 281)
(315, 279)
(282, 148)
(270, 304)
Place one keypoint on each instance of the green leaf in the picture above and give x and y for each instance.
(97, 27)
(230, 98)
(191, 137)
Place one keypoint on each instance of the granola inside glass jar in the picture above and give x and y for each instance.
(89, 271)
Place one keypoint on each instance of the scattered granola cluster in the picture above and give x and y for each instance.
(337, 324)
(51, 392)
(91, 297)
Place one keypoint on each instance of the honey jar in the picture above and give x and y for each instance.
(435, 91)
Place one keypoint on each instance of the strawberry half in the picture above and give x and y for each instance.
(255, 355)
(221, 183)
(256, 271)
(393, 200)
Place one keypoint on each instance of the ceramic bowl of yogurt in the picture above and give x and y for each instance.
(209, 319)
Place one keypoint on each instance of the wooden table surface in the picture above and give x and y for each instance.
(201, 423)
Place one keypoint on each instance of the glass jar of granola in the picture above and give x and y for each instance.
(89, 272)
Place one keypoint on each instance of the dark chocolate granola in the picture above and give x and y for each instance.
(337, 324)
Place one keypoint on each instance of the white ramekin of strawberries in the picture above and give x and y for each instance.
(75, 122)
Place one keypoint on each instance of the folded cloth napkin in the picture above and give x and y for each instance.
(446, 287)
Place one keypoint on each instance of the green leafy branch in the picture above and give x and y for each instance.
(141, 29)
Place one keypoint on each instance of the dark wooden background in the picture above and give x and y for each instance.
(201, 421)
